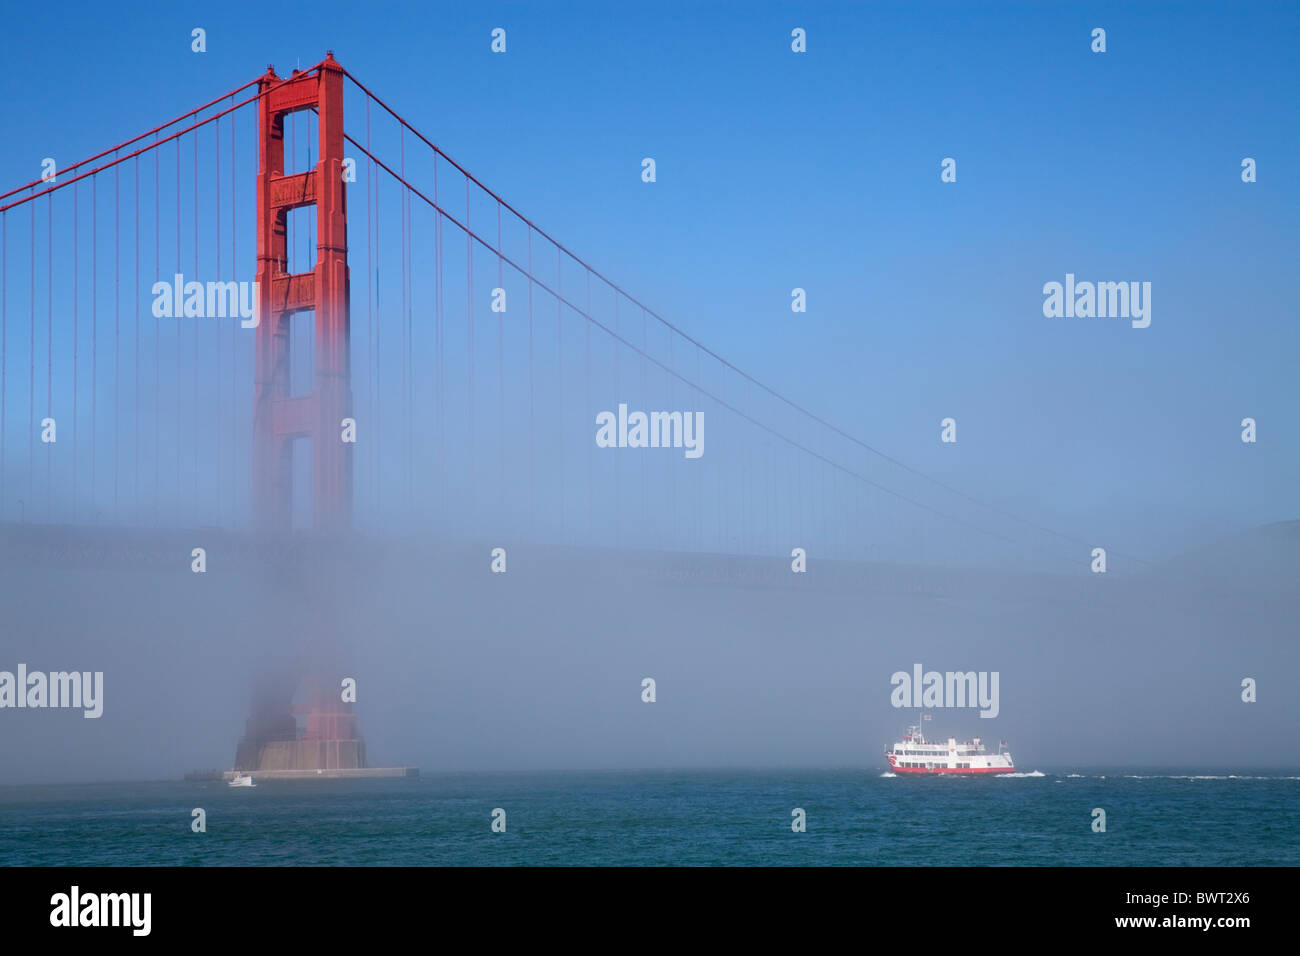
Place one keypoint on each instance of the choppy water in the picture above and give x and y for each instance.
(854, 817)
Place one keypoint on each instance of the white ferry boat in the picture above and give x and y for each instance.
(915, 754)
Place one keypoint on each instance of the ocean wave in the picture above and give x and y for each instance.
(1032, 773)
(1191, 776)
(888, 774)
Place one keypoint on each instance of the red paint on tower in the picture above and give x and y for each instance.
(278, 417)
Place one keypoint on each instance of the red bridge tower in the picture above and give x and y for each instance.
(279, 417)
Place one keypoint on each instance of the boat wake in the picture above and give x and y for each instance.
(1032, 773)
(1190, 776)
(1172, 776)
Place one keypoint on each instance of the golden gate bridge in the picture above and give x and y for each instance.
(469, 350)
(257, 324)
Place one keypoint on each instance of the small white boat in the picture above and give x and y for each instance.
(241, 780)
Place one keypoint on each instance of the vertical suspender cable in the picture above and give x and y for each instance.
(618, 490)
(94, 339)
(4, 350)
(49, 342)
(586, 342)
(176, 310)
(469, 329)
(216, 329)
(532, 426)
(371, 368)
(75, 349)
(234, 335)
(410, 352)
(117, 336)
(31, 373)
(157, 342)
(403, 419)
(645, 346)
(135, 383)
(559, 365)
(194, 378)
(438, 346)
(379, 381)
(501, 368)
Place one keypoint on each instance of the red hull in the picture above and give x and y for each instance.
(965, 770)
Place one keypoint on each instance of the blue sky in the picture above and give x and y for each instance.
(821, 170)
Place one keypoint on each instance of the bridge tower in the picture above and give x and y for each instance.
(280, 418)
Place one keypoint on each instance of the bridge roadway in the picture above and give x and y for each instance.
(123, 549)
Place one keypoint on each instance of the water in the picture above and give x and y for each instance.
(741, 817)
